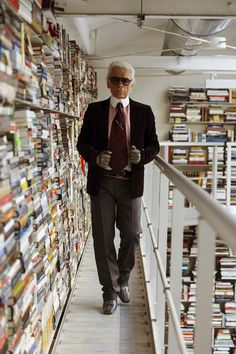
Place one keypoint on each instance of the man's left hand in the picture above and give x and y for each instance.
(134, 155)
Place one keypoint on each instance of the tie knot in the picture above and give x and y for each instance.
(119, 106)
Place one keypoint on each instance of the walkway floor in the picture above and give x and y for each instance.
(86, 330)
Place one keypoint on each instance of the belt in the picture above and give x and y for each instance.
(124, 173)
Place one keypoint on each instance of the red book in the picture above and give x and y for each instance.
(14, 4)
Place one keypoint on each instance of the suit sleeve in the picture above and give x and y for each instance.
(84, 144)
(151, 144)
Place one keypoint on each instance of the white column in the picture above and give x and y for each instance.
(205, 281)
(162, 245)
(176, 263)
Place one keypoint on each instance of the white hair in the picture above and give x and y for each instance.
(122, 65)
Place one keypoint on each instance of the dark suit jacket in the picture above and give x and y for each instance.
(94, 138)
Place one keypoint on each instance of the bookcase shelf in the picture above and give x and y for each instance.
(216, 175)
(44, 210)
(46, 109)
(224, 300)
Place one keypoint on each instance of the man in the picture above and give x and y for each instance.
(116, 141)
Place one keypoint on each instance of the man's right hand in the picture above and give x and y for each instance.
(103, 159)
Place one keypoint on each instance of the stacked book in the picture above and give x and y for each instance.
(188, 334)
(228, 268)
(218, 95)
(194, 248)
(223, 342)
(193, 113)
(216, 133)
(179, 156)
(217, 316)
(179, 133)
(197, 156)
(197, 94)
(230, 314)
(230, 114)
(216, 114)
(224, 291)
(221, 249)
(178, 94)
(177, 113)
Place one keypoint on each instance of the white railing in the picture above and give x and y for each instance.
(212, 220)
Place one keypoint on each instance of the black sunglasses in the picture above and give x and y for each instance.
(115, 80)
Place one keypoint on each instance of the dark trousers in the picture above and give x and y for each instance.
(114, 206)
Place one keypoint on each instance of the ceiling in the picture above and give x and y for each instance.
(109, 30)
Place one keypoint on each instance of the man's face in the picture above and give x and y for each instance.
(119, 89)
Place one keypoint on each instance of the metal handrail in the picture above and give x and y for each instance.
(214, 213)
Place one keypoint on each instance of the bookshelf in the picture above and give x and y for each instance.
(202, 145)
(46, 85)
(224, 296)
(199, 117)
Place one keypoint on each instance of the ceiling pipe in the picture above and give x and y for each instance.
(193, 27)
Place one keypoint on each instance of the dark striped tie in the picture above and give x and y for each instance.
(118, 141)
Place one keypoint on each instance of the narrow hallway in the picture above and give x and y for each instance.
(87, 330)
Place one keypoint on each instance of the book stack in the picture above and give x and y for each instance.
(179, 156)
(228, 268)
(216, 114)
(230, 314)
(217, 316)
(188, 334)
(67, 92)
(179, 133)
(197, 94)
(197, 156)
(49, 62)
(220, 155)
(177, 113)
(192, 292)
(194, 248)
(223, 341)
(58, 80)
(218, 95)
(178, 94)
(191, 314)
(193, 113)
(216, 133)
(224, 291)
(221, 248)
(230, 114)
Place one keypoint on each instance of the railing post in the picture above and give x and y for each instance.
(162, 246)
(155, 222)
(177, 231)
(205, 277)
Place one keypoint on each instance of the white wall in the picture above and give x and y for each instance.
(151, 88)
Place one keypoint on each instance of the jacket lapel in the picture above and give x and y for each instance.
(104, 123)
(133, 121)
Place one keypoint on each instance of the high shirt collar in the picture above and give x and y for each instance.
(124, 101)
